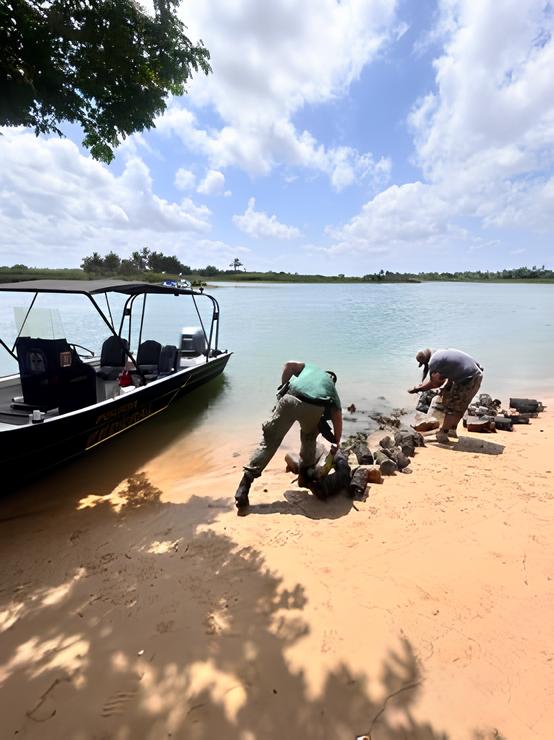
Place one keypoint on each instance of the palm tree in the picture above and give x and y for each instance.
(236, 264)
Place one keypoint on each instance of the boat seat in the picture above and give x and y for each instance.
(112, 358)
(79, 388)
(168, 360)
(148, 358)
(53, 375)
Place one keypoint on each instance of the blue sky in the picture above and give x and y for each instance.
(331, 137)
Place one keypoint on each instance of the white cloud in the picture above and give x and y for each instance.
(132, 145)
(212, 184)
(284, 54)
(56, 205)
(184, 179)
(484, 136)
(400, 216)
(269, 61)
(260, 146)
(259, 224)
(490, 122)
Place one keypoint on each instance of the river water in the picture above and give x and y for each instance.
(368, 334)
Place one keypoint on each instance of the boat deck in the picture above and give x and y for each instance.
(10, 388)
(9, 415)
(16, 414)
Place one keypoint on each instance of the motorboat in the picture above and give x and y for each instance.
(66, 400)
(177, 283)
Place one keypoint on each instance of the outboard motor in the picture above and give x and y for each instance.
(192, 344)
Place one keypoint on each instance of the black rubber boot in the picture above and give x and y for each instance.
(305, 480)
(241, 496)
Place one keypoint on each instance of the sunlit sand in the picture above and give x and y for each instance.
(136, 604)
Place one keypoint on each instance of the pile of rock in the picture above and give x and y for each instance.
(487, 415)
(359, 462)
(363, 460)
(391, 455)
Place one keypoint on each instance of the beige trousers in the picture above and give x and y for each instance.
(288, 410)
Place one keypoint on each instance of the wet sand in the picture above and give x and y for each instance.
(134, 603)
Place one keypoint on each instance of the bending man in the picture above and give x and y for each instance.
(462, 375)
(306, 392)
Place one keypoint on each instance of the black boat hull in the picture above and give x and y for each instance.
(26, 451)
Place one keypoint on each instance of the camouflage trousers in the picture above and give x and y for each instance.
(288, 410)
(457, 396)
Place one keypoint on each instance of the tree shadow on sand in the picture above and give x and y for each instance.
(139, 492)
(153, 626)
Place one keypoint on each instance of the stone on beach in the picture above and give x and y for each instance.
(386, 465)
(526, 404)
(479, 424)
(363, 455)
(428, 425)
(358, 484)
(386, 443)
(374, 474)
(519, 418)
(408, 440)
(503, 424)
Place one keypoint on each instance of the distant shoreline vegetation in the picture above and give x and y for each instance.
(156, 267)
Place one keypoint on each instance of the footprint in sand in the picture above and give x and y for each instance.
(107, 557)
(117, 703)
(163, 627)
(46, 708)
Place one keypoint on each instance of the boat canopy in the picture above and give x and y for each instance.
(132, 289)
(93, 287)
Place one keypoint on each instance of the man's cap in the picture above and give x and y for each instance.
(423, 356)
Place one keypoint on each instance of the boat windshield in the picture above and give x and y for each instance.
(40, 322)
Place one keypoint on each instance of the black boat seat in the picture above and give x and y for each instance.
(80, 387)
(168, 360)
(148, 358)
(112, 358)
(53, 375)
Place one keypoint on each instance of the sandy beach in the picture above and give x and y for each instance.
(145, 608)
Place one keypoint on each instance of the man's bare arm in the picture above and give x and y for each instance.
(291, 368)
(435, 381)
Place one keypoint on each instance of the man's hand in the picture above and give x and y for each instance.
(413, 390)
(336, 421)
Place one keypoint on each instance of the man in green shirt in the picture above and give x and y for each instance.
(305, 394)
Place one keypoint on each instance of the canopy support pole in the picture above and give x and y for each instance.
(24, 321)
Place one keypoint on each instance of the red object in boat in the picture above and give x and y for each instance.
(125, 379)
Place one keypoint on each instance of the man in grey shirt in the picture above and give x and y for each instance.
(459, 374)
